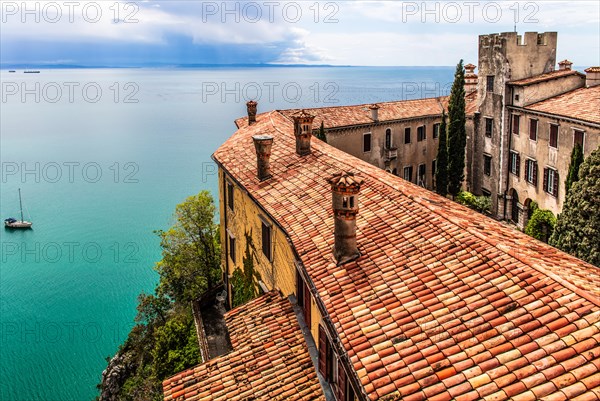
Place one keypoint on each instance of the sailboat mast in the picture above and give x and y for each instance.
(21, 205)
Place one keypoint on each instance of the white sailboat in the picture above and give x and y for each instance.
(11, 222)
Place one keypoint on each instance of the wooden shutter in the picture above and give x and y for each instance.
(546, 179)
(322, 352)
(555, 189)
(535, 172)
(518, 161)
(307, 304)
(342, 383)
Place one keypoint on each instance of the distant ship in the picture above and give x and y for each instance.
(11, 71)
(11, 222)
(31, 72)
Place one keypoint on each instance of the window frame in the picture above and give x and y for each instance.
(436, 130)
(487, 164)
(369, 143)
(531, 167)
(533, 122)
(489, 83)
(551, 182)
(232, 247)
(266, 246)
(515, 163)
(421, 133)
(576, 131)
(489, 127)
(422, 178)
(516, 124)
(389, 142)
(407, 131)
(230, 195)
(557, 126)
(410, 170)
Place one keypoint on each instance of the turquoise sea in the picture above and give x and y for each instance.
(102, 157)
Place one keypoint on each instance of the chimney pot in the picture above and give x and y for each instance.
(470, 78)
(374, 112)
(345, 188)
(303, 132)
(592, 76)
(565, 65)
(251, 106)
(263, 144)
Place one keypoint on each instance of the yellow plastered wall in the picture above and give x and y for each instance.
(278, 274)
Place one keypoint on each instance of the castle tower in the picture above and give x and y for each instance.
(345, 188)
(503, 58)
(303, 132)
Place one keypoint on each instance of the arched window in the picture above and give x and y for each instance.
(388, 138)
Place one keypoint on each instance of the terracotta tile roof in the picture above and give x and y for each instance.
(592, 69)
(581, 104)
(269, 360)
(343, 116)
(443, 303)
(545, 77)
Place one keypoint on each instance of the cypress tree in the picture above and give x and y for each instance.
(576, 160)
(577, 229)
(457, 134)
(321, 134)
(441, 171)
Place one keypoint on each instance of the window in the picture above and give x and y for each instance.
(266, 240)
(487, 164)
(489, 126)
(326, 356)
(408, 173)
(533, 124)
(578, 137)
(232, 248)
(515, 163)
(422, 170)
(230, 195)
(490, 83)
(303, 297)
(433, 168)
(517, 98)
(553, 135)
(436, 130)
(516, 123)
(531, 171)
(551, 181)
(366, 142)
(421, 133)
(407, 135)
(388, 138)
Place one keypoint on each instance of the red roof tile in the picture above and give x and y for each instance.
(269, 360)
(433, 277)
(545, 77)
(581, 104)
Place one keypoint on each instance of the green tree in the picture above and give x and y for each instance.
(321, 134)
(457, 134)
(151, 308)
(576, 160)
(577, 230)
(441, 170)
(541, 224)
(176, 347)
(190, 249)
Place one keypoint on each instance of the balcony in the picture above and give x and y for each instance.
(390, 154)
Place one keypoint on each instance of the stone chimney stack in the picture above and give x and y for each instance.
(374, 112)
(263, 144)
(251, 106)
(470, 78)
(592, 76)
(344, 189)
(565, 65)
(303, 132)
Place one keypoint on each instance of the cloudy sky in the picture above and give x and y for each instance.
(379, 33)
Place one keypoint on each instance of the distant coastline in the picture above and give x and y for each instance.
(199, 66)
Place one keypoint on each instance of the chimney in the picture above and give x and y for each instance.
(303, 132)
(565, 65)
(470, 78)
(251, 106)
(263, 144)
(374, 112)
(344, 189)
(592, 76)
